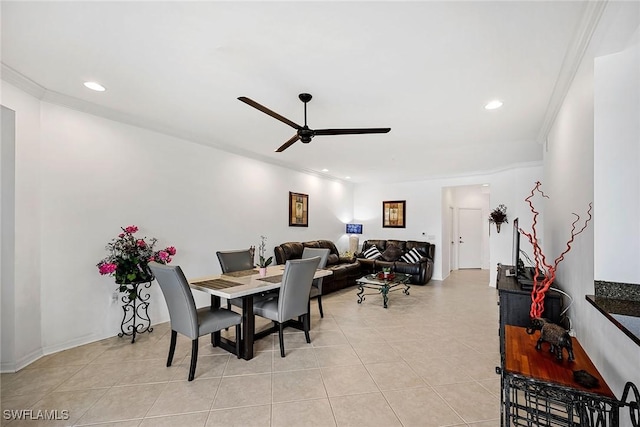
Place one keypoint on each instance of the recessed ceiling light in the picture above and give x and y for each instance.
(95, 86)
(485, 185)
(347, 177)
(325, 170)
(493, 105)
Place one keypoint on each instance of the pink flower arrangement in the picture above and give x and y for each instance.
(129, 257)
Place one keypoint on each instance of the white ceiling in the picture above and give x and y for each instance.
(425, 69)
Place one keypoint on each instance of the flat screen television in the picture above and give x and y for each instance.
(515, 250)
(354, 229)
(524, 275)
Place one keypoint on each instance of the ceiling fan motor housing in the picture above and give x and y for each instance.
(305, 134)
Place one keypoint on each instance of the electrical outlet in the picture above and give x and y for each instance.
(114, 297)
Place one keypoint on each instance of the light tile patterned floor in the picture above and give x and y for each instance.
(427, 360)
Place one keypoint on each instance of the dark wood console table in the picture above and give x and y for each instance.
(515, 303)
(539, 390)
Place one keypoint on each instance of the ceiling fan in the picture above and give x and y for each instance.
(303, 133)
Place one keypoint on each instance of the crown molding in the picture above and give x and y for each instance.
(22, 82)
(570, 64)
(471, 174)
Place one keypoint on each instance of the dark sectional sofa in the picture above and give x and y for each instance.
(345, 270)
(392, 251)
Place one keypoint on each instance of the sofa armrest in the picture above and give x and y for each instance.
(346, 259)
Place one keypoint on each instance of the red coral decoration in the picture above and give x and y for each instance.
(540, 288)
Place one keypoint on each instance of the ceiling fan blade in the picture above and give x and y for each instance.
(265, 110)
(288, 144)
(350, 131)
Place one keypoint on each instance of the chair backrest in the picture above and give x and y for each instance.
(231, 261)
(323, 254)
(296, 285)
(314, 252)
(179, 299)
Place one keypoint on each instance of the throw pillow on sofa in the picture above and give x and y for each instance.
(372, 253)
(412, 257)
(392, 253)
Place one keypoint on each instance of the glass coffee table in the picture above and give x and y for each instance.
(393, 282)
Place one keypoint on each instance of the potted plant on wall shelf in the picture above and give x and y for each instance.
(262, 262)
(498, 216)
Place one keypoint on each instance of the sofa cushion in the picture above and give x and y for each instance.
(380, 244)
(392, 253)
(406, 268)
(399, 243)
(372, 253)
(333, 259)
(412, 256)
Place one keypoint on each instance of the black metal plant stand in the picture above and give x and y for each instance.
(135, 319)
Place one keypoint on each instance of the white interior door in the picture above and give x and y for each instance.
(470, 238)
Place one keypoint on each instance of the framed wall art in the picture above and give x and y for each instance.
(298, 210)
(393, 214)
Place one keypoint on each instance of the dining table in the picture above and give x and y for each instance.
(244, 284)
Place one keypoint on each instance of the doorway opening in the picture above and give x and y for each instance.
(465, 231)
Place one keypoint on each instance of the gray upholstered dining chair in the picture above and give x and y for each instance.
(292, 301)
(231, 261)
(316, 286)
(184, 316)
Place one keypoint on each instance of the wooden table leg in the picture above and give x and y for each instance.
(215, 336)
(248, 327)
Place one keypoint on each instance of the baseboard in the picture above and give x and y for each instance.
(26, 360)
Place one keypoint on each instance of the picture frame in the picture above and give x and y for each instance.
(298, 209)
(394, 214)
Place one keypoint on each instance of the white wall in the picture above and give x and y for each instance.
(617, 155)
(426, 210)
(26, 286)
(7, 232)
(569, 181)
(448, 256)
(83, 177)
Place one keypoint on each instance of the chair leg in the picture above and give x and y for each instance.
(306, 324)
(194, 358)
(320, 306)
(281, 338)
(238, 339)
(172, 347)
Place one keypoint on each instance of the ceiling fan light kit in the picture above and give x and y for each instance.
(304, 133)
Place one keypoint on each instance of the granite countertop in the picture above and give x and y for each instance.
(620, 303)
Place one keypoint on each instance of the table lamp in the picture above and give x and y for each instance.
(352, 231)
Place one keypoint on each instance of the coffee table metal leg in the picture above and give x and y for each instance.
(406, 290)
(385, 294)
(360, 296)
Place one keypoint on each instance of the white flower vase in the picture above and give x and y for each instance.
(263, 271)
